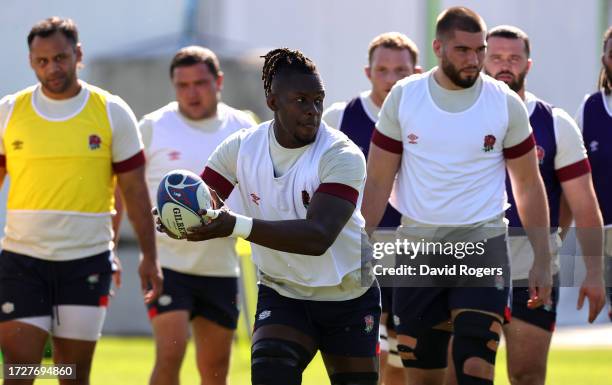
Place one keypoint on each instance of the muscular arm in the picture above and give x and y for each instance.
(565, 217)
(532, 206)
(326, 216)
(381, 169)
(582, 202)
(116, 218)
(136, 199)
(383, 160)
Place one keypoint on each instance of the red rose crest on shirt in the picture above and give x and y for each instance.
(94, 142)
(489, 142)
(369, 323)
(305, 199)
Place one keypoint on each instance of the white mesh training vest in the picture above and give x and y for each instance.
(176, 145)
(270, 198)
(453, 168)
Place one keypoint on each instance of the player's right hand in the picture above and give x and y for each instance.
(540, 285)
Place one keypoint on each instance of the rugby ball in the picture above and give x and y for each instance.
(180, 195)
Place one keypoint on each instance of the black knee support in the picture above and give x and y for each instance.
(354, 378)
(430, 351)
(278, 362)
(474, 337)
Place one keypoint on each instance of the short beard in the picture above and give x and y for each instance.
(455, 75)
(68, 80)
(517, 84)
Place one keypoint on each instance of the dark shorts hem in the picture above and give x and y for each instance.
(210, 297)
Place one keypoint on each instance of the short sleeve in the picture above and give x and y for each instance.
(6, 107)
(145, 126)
(519, 136)
(127, 147)
(220, 172)
(388, 121)
(342, 171)
(571, 157)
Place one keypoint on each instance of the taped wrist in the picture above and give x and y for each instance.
(243, 226)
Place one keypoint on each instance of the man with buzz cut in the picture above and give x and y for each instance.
(200, 281)
(565, 170)
(449, 135)
(391, 57)
(64, 144)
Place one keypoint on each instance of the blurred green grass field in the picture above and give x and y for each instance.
(128, 361)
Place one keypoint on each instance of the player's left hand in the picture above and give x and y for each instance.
(592, 288)
(216, 224)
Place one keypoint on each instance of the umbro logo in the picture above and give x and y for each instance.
(17, 145)
(174, 155)
(264, 314)
(412, 139)
(594, 145)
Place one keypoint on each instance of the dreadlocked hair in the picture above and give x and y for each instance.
(284, 58)
(604, 81)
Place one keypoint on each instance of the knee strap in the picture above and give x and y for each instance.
(474, 336)
(430, 351)
(278, 362)
(354, 378)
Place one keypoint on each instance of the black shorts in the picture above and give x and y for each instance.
(346, 328)
(418, 308)
(544, 317)
(31, 287)
(386, 299)
(214, 298)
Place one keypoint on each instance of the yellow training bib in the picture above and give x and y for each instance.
(60, 165)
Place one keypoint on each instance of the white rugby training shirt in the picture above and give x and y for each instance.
(175, 142)
(452, 170)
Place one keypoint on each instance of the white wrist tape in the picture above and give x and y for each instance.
(243, 226)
